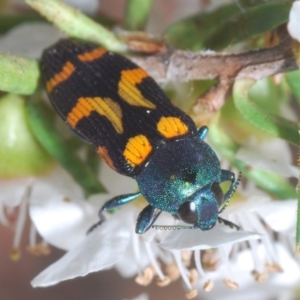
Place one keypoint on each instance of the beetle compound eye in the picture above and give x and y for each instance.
(216, 189)
(188, 213)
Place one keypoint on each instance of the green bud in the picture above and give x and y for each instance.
(20, 153)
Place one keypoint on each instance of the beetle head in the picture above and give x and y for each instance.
(201, 209)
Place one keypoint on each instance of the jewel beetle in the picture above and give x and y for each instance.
(118, 108)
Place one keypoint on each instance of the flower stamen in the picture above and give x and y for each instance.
(208, 284)
(153, 261)
(3, 218)
(186, 257)
(210, 260)
(172, 271)
(163, 282)
(224, 254)
(136, 251)
(259, 277)
(232, 285)
(193, 276)
(200, 270)
(145, 278)
(183, 272)
(191, 294)
(15, 253)
(258, 227)
(253, 244)
(275, 268)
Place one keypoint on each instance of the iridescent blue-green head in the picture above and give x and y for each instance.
(183, 178)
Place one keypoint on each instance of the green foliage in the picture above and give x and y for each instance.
(262, 118)
(228, 25)
(76, 24)
(136, 14)
(21, 154)
(272, 183)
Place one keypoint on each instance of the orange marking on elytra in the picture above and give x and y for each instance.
(137, 150)
(67, 70)
(91, 55)
(102, 151)
(103, 106)
(171, 127)
(127, 88)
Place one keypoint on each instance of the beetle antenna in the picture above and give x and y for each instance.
(172, 227)
(94, 226)
(233, 190)
(228, 223)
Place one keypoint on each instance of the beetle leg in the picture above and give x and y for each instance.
(228, 223)
(146, 218)
(118, 201)
(228, 176)
(202, 132)
(111, 204)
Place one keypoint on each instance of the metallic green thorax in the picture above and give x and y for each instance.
(182, 171)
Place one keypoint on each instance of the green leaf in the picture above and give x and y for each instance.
(18, 75)
(293, 80)
(76, 24)
(21, 154)
(192, 32)
(41, 123)
(137, 13)
(228, 24)
(248, 24)
(261, 118)
(270, 182)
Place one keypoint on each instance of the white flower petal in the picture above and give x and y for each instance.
(290, 265)
(29, 40)
(101, 249)
(12, 191)
(133, 260)
(267, 160)
(294, 21)
(253, 204)
(62, 222)
(61, 183)
(192, 239)
(281, 216)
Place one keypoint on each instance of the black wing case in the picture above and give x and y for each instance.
(112, 103)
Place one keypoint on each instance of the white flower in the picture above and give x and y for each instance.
(65, 223)
(101, 249)
(132, 254)
(21, 194)
(268, 260)
(294, 21)
(63, 217)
